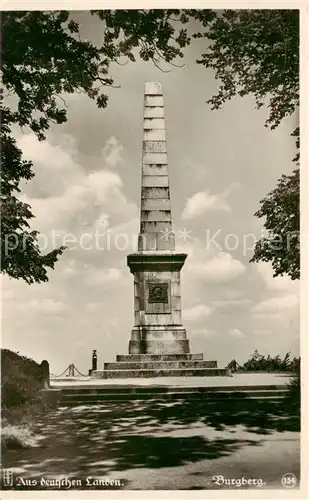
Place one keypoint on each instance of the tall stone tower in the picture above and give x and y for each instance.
(159, 344)
(156, 266)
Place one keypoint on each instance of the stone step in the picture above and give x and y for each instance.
(158, 357)
(204, 395)
(184, 372)
(212, 397)
(159, 365)
(163, 389)
(170, 397)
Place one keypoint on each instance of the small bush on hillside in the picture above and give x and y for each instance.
(21, 402)
(258, 362)
(292, 401)
(21, 379)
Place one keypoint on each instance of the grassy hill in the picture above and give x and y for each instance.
(22, 380)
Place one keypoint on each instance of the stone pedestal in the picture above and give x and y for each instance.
(158, 326)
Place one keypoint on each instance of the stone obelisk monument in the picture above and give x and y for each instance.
(156, 266)
(158, 344)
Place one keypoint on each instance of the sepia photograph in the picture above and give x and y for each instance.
(150, 250)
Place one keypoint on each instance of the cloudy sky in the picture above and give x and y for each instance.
(87, 183)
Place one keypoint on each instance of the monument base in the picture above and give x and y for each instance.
(159, 365)
(159, 339)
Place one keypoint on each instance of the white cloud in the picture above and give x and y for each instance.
(235, 332)
(55, 165)
(199, 170)
(111, 152)
(61, 156)
(104, 276)
(102, 222)
(280, 283)
(42, 306)
(196, 313)
(7, 294)
(231, 303)
(202, 332)
(69, 268)
(203, 201)
(63, 195)
(219, 269)
(279, 305)
(93, 306)
(261, 331)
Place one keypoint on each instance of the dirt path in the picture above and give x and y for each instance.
(152, 445)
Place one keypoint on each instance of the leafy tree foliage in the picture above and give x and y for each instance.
(255, 52)
(281, 245)
(20, 253)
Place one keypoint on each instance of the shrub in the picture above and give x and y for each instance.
(21, 382)
(292, 401)
(21, 379)
(16, 436)
(259, 362)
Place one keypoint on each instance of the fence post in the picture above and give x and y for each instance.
(45, 374)
(94, 360)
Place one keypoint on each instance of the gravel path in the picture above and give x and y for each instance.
(157, 445)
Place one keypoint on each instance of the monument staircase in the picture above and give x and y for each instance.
(159, 365)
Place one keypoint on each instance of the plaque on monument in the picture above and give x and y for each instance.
(158, 293)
